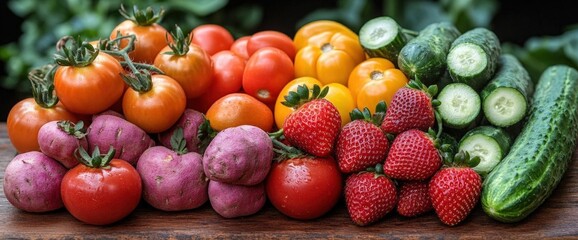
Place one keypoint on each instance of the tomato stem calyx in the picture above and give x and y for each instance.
(96, 160)
(180, 43)
(145, 17)
(42, 81)
(77, 54)
(76, 130)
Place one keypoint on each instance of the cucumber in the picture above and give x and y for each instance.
(424, 57)
(541, 153)
(382, 37)
(473, 57)
(488, 142)
(459, 105)
(506, 98)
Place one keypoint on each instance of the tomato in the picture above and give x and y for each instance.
(236, 109)
(228, 69)
(338, 94)
(375, 80)
(304, 188)
(25, 119)
(266, 73)
(212, 38)
(151, 37)
(191, 68)
(270, 38)
(101, 195)
(157, 109)
(239, 46)
(329, 57)
(310, 29)
(90, 89)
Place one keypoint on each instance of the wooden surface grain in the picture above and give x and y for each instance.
(556, 218)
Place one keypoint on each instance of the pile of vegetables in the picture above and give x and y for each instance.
(389, 119)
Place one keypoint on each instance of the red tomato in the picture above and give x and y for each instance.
(266, 73)
(101, 195)
(25, 119)
(228, 70)
(90, 89)
(239, 46)
(271, 38)
(159, 108)
(192, 70)
(150, 39)
(212, 38)
(304, 188)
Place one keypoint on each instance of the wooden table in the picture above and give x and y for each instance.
(556, 218)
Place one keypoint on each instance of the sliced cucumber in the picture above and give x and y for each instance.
(459, 105)
(382, 37)
(473, 57)
(506, 98)
(490, 143)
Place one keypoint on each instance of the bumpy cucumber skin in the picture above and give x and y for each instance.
(541, 153)
(389, 51)
(489, 42)
(511, 74)
(424, 58)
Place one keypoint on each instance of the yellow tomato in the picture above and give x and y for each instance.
(312, 28)
(329, 57)
(281, 111)
(338, 94)
(375, 80)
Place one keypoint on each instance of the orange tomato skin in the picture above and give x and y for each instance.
(239, 46)
(375, 80)
(341, 97)
(159, 108)
(25, 119)
(228, 70)
(193, 71)
(212, 38)
(237, 109)
(266, 73)
(149, 40)
(90, 89)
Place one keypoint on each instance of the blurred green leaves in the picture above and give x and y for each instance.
(47, 21)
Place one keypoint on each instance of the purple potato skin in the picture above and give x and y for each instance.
(60, 145)
(128, 140)
(239, 155)
(32, 182)
(172, 182)
(232, 201)
(189, 122)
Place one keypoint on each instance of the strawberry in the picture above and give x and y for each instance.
(413, 156)
(361, 143)
(411, 107)
(414, 199)
(314, 125)
(369, 196)
(455, 189)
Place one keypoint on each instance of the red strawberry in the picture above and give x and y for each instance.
(413, 156)
(369, 196)
(414, 199)
(314, 126)
(455, 189)
(411, 107)
(361, 143)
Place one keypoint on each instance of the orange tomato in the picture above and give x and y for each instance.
(150, 39)
(239, 47)
(330, 57)
(338, 94)
(318, 26)
(237, 109)
(375, 80)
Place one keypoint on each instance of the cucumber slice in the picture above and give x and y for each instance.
(490, 143)
(459, 105)
(467, 60)
(382, 37)
(506, 98)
